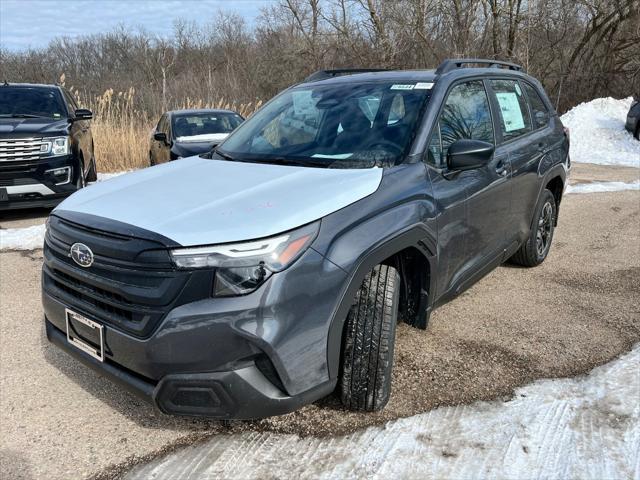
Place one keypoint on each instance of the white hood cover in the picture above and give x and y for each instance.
(205, 137)
(195, 201)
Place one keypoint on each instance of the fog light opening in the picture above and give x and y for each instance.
(61, 175)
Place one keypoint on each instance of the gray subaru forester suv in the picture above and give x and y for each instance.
(273, 271)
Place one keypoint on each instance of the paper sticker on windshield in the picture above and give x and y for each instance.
(402, 87)
(423, 86)
(303, 103)
(510, 109)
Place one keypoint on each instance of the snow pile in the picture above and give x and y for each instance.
(29, 238)
(598, 134)
(586, 427)
(599, 187)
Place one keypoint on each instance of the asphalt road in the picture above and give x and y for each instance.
(580, 309)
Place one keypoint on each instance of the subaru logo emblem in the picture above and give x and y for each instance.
(81, 254)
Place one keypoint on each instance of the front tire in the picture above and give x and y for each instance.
(92, 176)
(536, 248)
(80, 181)
(369, 338)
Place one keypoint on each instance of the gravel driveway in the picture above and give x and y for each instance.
(580, 309)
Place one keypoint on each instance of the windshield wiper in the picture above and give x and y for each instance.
(226, 156)
(20, 115)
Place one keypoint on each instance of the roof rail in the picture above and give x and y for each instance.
(324, 74)
(452, 63)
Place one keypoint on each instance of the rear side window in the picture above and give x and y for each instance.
(539, 112)
(514, 114)
(466, 114)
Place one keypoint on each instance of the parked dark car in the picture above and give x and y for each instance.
(183, 133)
(273, 271)
(46, 147)
(633, 119)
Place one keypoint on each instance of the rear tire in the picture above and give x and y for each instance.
(536, 248)
(369, 338)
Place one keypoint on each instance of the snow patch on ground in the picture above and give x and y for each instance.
(586, 427)
(106, 176)
(599, 187)
(598, 134)
(28, 238)
(32, 238)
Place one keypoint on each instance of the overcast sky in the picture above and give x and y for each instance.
(32, 23)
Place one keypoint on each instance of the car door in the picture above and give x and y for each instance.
(79, 130)
(474, 204)
(159, 148)
(525, 148)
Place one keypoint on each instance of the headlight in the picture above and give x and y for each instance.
(56, 146)
(243, 267)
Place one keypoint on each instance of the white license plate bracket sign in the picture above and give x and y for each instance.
(85, 334)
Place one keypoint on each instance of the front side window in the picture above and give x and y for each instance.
(192, 126)
(465, 115)
(514, 113)
(162, 124)
(31, 102)
(340, 125)
(71, 102)
(539, 110)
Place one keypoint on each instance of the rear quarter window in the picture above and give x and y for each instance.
(539, 112)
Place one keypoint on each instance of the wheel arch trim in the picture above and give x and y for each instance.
(414, 236)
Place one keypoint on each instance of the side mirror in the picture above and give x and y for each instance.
(83, 114)
(160, 136)
(467, 154)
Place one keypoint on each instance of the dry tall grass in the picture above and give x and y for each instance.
(121, 131)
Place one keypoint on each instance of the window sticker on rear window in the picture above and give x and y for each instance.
(511, 113)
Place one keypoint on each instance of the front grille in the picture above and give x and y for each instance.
(131, 285)
(22, 149)
(11, 182)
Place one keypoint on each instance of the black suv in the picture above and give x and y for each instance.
(274, 271)
(46, 148)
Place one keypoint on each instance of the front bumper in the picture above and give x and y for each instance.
(238, 357)
(29, 184)
(243, 393)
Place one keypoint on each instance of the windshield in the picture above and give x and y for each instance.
(31, 102)
(207, 124)
(342, 125)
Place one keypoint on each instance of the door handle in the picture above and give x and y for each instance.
(501, 169)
